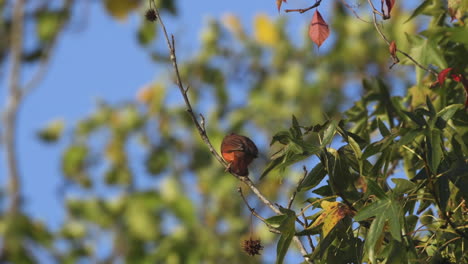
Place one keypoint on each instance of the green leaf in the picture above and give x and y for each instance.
(296, 129)
(323, 245)
(324, 191)
(157, 160)
(403, 185)
(329, 133)
(313, 178)
(373, 236)
(382, 128)
(420, 9)
(416, 118)
(74, 163)
(447, 113)
(292, 153)
(375, 189)
(276, 220)
(287, 229)
(434, 149)
(146, 32)
(118, 174)
(283, 137)
(443, 191)
(386, 208)
(426, 52)
(357, 152)
(52, 132)
(458, 175)
(120, 8)
(430, 106)
(48, 24)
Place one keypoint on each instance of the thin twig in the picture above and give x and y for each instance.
(303, 10)
(374, 10)
(379, 30)
(293, 196)
(306, 224)
(353, 11)
(202, 132)
(172, 51)
(252, 210)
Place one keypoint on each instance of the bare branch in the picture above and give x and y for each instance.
(12, 105)
(202, 123)
(171, 45)
(201, 131)
(303, 10)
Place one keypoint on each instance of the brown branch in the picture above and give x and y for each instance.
(379, 30)
(303, 10)
(201, 130)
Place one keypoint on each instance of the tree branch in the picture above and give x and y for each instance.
(382, 35)
(201, 130)
(303, 10)
(12, 105)
(183, 91)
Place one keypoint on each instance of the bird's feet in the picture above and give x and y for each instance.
(228, 168)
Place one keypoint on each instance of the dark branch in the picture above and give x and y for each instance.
(303, 10)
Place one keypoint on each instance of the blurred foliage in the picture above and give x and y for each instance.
(387, 179)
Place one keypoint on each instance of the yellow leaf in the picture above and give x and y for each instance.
(233, 24)
(332, 213)
(120, 8)
(265, 30)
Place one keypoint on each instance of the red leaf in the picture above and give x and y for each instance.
(318, 29)
(456, 77)
(392, 48)
(390, 4)
(443, 75)
(464, 81)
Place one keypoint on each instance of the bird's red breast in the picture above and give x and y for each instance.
(239, 151)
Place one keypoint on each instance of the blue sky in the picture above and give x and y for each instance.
(101, 59)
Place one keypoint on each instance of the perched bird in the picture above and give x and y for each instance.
(239, 151)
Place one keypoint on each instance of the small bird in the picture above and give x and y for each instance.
(239, 151)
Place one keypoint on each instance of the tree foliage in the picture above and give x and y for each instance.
(385, 173)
